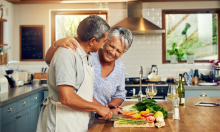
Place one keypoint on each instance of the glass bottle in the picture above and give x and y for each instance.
(181, 91)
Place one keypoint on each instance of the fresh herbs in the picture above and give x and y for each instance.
(175, 51)
(152, 105)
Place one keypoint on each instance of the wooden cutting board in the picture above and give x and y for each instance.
(40, 76)
(116, 124)
(127, 108)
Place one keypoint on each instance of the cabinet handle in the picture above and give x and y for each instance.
(203, 95)
(18, 116)
(35, 98)
(24, 103)
(9, 109)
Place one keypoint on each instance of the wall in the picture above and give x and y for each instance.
(146, 49)
(8, 30)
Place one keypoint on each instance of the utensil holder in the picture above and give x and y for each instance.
(40, 76)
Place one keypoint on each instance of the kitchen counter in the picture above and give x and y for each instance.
(143, 85)
(17, 93)
(194, 87)
(192, 118)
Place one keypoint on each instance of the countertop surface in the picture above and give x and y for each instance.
(192, 118)
(193, 87)
(196, 87)
(17, 93)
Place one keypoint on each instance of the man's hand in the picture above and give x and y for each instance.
(104, 112)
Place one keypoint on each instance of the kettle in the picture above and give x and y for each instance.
(153, 75)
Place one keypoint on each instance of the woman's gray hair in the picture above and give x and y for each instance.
(92, 26)
(124, 34)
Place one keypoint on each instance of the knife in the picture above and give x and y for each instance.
(207, 104)
(45, 69)
(116, 117)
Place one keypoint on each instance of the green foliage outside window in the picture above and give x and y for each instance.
(184, 30)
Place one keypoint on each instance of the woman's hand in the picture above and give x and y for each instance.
(66, 43)
(112, 106)
(117, 111)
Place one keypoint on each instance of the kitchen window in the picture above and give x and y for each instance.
(193, 31)
(65, 23)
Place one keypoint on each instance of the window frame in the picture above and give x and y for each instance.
(180, 11)
(54, 13)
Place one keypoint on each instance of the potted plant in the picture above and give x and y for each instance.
(190, 57)
(3, 54)
(175, 54)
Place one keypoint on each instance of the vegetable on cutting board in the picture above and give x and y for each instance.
(146, 111)
(132, 121)
(147, 115)
(130, 113)
(152, 105)
(150, 119)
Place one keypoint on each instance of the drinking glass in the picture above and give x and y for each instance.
(151, 90)
(172, 93)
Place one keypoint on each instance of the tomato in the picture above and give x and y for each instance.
(150, 119)
(139, 118)
(147, 114)
(211, 61)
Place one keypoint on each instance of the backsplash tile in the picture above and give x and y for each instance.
(146, 50)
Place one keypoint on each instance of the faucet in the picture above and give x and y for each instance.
(140, 97)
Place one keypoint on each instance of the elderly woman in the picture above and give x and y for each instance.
(109, 72)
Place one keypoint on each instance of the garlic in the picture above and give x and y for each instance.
(160, 119)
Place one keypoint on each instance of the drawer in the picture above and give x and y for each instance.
(9, 110)
(197, 93)
(35, 98)
(23, 103)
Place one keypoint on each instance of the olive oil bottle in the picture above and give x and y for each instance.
(181, 91)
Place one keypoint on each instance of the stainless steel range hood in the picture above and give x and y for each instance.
(135, 22)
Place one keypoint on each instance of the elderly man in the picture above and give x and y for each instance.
(70, 82)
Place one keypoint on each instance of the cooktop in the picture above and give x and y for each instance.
(157, 83)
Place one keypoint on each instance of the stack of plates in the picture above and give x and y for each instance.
(207, 84)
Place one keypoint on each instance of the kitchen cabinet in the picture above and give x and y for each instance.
(23, 121)
(45, 94)
(19, 122)
(35, 112)
(197, 93)
(21, 115)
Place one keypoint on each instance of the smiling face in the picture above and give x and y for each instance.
(113, 49)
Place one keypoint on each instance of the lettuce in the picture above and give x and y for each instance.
(152, 105)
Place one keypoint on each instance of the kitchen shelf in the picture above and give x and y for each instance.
(3, 20)
(3, 44)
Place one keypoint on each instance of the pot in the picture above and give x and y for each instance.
(190, 59)
(205, 78)
(173, 59)
(136, 80)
